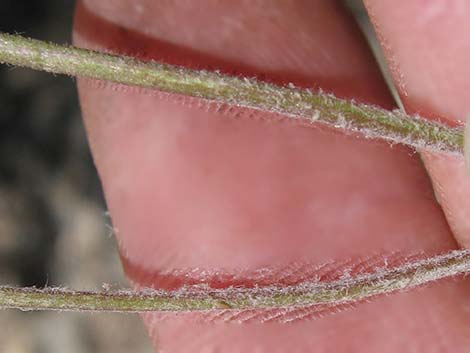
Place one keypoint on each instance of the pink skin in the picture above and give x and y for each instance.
(432, 32)
(194, 192)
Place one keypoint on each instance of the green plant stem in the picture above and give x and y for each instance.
(347, 290)
(304, 105)
(301, 104)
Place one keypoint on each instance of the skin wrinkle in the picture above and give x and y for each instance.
(128, 41)
(238, 25)
(293, 274)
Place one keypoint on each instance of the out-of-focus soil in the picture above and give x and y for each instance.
(54, 230)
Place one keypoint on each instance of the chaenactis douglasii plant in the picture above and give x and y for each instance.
(303, 106)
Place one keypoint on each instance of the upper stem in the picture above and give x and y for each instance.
(301, 104)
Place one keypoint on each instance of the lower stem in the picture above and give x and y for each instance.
(195, 298)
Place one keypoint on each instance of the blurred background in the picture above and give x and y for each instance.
(54, 229)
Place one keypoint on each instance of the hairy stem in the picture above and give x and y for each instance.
(348, 290)
(304, 105)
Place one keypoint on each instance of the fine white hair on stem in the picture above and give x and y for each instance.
(301, 105)
(347, 290)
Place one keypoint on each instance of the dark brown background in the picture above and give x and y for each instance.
(54, 230)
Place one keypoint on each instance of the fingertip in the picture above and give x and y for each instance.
(426, 46)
